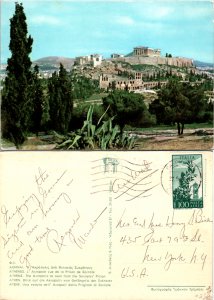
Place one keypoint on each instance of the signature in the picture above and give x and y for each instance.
(56, 241)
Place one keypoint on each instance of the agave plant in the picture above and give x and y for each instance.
(101, 136)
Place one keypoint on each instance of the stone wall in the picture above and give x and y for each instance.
(128, 84)
(170, 61)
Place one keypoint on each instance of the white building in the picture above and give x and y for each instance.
(93, 59)
(116, 55)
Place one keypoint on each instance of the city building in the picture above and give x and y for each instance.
(118, 83)
(116, 55)
(93, 59)
(96, 59)
(133, 85)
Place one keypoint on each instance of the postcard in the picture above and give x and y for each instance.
(107, 75)
(106, 225)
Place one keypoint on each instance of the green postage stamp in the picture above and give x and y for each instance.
(187, 181)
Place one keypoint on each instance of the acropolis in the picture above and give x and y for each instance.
(146, 51)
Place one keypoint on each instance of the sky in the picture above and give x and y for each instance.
(75, 28)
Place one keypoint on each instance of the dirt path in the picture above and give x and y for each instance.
(200, 139)
(175, 145)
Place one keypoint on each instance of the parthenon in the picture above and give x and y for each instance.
(146, 51)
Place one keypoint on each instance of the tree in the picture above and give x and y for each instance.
(83, 87)
(61, 101)
(38, 99)
(201, 110)
(172, 105)
(183, 191)
(45, 113)
(16, 97)
(128, 108)
(180, 103)
(53, 100)
(79, 114)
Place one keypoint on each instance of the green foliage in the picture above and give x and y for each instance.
(100, 136)
(83, 87)
(183, 191)
(180, 103)
(126, 74)
(79, 114)
(144, 67)
(201, 80)
(60, 101)
(197, 101)
(45, 114)
(37, 98)
(17, 105)
(207, 85)
(112, 86)
(147, 119)
(127, 108)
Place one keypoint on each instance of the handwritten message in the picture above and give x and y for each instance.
(37, 220)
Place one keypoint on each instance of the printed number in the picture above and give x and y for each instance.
(184, 204)
(187, 204)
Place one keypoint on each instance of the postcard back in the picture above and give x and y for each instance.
(106, 225)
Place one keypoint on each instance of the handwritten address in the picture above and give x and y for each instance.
(166, 243)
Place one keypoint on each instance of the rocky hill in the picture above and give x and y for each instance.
(169, 61)
(54, 62)
(200, 64)
(121, 70)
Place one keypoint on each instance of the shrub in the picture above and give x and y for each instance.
(101, 136)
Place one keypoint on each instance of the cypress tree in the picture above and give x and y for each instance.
(53, 101)
(61, 101)
(66, 100)
(37, 101)
(45, 113)
(16, 98)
